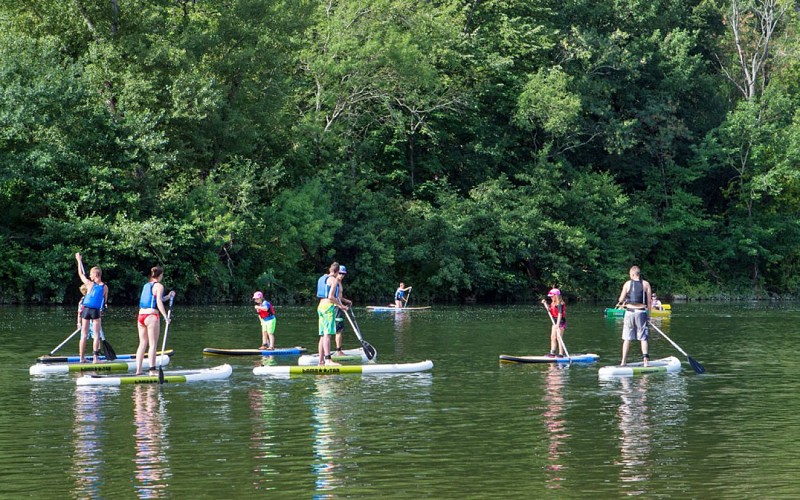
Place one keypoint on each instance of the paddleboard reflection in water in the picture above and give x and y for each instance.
(329, 431)
(555, 381)
(151, 462)
(87, 463)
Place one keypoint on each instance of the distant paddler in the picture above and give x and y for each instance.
(400, 298)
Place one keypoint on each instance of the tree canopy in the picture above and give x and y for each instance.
(480, 150)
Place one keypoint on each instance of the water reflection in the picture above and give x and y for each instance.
(651, 410)
(328, 436)
(556, 424)
(151, 462)
(401, 321)
(263, 403)
(87, 463)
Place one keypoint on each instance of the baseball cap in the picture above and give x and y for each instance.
(258, 295)
(554, 291)
(342, 270)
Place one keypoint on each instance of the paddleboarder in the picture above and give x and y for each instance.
(326, 313)
(399, 294)
(339, 315)
(558, 311)
(636, 297)
(151, 303)
(93, 302)
(266, 314)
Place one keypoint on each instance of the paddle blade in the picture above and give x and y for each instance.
(369, 350)
(109, 351)
(160, 374)
(696, 366)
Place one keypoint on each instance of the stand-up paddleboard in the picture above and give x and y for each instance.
(350, 355)
(285, 371)
(663, 365)
(170, 377)
(666, 312)
(278, 351)
(110, 366)
(575, 358)
(396, 309)
(76, 358)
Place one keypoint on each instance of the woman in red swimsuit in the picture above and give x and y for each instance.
(151, 302)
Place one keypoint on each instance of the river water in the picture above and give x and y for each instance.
(469, 428)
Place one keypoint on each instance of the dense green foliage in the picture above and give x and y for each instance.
(479, 150)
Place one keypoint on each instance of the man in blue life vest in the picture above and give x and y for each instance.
(636, 297)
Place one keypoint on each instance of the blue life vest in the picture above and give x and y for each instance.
(94, 298)
(147, 300)
(322, 288)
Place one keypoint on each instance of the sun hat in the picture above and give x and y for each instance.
(342, 270)
(554, 291)
(258, 295)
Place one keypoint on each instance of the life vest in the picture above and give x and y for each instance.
(323, 289)
(94, 299)
(322, 286)
(636, 293)
(147, 300)
(554, 311)
(269, 313)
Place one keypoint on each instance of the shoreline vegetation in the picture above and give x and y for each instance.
(483, 151)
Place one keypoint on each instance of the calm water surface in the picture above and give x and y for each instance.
(470, 428)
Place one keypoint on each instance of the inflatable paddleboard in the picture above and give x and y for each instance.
(170, 377)
(663, 365)
(350, 355)
(576, 358)
(284, 371)
(109, 366)
(278, 351)
(76, 358)
(396, 309)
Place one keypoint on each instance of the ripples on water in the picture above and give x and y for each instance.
(469, 428)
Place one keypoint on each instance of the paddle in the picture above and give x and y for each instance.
(164, 342)
(405, 303)
(558, 336)
(368, 349)
(697, 367)
(110, 354)
(59, 346)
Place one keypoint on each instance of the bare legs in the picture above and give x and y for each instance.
(148, 341)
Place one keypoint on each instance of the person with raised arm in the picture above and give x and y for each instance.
(93, 302)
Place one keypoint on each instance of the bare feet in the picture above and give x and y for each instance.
(332, 363)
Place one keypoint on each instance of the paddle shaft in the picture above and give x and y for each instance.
(370, 351)
(59, 346)
(164, 343)
(676, 346)
(696, 366)
(405, 303)
(558, 335)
